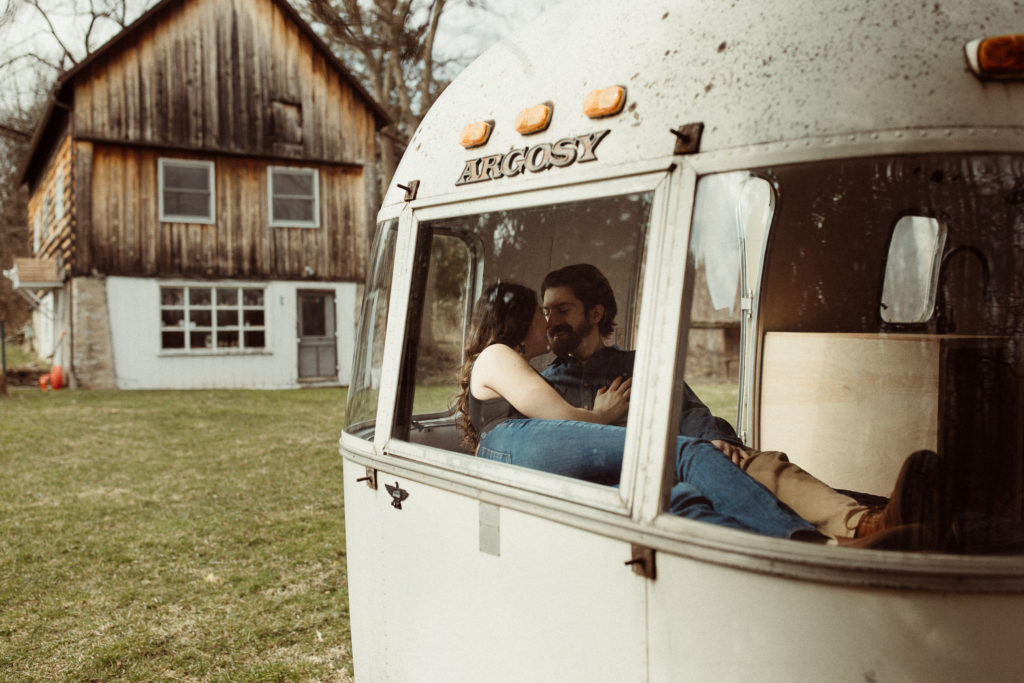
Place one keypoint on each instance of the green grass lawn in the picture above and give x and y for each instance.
(186, 535)
(721, 399)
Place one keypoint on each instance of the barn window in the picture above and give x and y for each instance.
(47, 214)
(186, 191)
(294, 197)
(58, 206)
(212, 318)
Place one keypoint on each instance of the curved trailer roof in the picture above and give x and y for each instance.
(751, 72)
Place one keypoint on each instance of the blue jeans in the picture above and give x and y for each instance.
(710, 487)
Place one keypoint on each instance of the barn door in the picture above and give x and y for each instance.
(317, 338)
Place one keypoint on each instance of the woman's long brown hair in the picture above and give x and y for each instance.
(503, 315)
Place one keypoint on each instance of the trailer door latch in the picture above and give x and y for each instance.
(370, 478)
(642, 561)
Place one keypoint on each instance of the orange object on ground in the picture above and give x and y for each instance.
(56, 377)
(44, 382)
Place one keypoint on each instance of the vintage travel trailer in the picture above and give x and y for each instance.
(812, 213)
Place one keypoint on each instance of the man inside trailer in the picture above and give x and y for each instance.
(580, 308)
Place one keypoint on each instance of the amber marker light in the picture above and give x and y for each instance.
(604, 102)
(533, 119)
(997, 57)
(476, 134)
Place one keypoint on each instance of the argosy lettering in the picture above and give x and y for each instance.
(564, 152)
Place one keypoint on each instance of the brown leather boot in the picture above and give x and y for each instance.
(891, 538)
(919, 504)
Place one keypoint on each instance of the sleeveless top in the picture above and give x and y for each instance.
(486, 415)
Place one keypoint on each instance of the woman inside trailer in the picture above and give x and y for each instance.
(511, 414)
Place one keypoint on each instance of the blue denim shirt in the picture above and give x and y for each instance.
(578, 383)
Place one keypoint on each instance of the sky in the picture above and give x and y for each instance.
(464, 32)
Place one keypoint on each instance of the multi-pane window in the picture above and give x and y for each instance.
(186, 191)
(294, 197)
(212, 318)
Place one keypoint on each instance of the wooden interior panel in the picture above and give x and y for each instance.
(849, 408)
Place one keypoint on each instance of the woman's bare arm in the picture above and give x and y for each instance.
(500, 371)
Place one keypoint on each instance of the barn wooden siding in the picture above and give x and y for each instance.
(232, 75)
(56, 215)
(127, 237)
(239, 83)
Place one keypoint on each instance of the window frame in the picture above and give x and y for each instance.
(58, 197)
(213, 328)
(211, 216)
(37, 231)
(47, 211)
(522, 483)
(926, 297)
(291, 223)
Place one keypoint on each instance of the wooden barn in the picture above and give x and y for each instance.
(202, 193)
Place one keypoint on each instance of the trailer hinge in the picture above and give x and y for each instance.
(747, 304)
(370, 478)
(643, 561)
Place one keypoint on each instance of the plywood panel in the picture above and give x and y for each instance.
(849, 408)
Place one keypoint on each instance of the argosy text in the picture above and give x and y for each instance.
(535, 159)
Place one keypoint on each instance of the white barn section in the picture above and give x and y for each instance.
(45, 334)
(141, 360)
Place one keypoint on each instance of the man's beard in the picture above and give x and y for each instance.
(566, 339)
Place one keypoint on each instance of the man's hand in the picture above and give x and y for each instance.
(735, 453)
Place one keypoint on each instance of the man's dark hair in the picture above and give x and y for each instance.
(590, 286)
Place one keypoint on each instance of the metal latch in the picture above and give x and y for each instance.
(642, 561)
(411, 190)
(688, 138)
(370, 478)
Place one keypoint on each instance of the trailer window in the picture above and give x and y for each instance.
(849, 389)
(447, 300)
(458, 257)
(912, 270)
(364, 391)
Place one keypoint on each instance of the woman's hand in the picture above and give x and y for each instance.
(612, 401)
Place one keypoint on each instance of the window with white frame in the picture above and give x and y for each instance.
(294, 195)
(212, 318)
(186, 191)
(37, 230)
(58, 197)
(47, 214)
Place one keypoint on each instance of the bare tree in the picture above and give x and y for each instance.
(389, 44)
(14, 235)
(30, 62)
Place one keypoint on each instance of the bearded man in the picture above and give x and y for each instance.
(580, 308)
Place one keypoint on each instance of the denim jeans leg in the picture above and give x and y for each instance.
(685, 500)
(733, 493)
(593, 452)
(582, 450)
